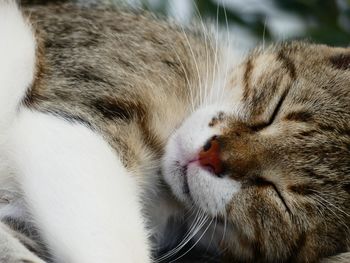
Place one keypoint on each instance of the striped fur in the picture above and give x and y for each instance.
(135, 80)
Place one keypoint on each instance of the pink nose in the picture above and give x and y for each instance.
(209, 156)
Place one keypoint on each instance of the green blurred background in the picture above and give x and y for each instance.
(322, 21)
(254, 21)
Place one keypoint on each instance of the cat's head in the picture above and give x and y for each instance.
(276, 161)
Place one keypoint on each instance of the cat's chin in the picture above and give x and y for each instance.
(205, 190)
(193, 184)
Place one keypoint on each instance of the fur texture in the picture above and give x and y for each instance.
(122, 103)
(286, 145)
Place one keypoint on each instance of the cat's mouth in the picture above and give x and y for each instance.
(186, 173)
(186, 188)
(192, 164)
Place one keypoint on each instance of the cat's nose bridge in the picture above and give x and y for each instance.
(209, 156)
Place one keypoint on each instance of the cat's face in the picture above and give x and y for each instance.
(276, 162)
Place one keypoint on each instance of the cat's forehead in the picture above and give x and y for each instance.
(299, 67)
(303, 54)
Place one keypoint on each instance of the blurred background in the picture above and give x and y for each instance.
(254, 21)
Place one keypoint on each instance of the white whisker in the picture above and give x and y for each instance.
(196, 225)
(322, 201)
(199, 239)
(195, 61)
(222, 93)
(263, 37)
(206, 38)
(213, 234)
(190, 87)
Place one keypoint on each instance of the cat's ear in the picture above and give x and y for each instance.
(341, 61)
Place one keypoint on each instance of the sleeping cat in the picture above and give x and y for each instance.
(102, 111)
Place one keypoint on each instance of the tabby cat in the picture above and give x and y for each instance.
(104, 113)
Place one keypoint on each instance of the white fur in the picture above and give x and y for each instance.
(208, 191)
(17, 61)
(82, 199)
(12, 250)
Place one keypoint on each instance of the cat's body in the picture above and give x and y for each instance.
(114, 99)
(123, 75)
(91, 65)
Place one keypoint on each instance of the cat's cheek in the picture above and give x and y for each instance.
(182, 151)
(210, 193)
(172, 170)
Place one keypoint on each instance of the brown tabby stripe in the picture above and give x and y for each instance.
(32, 97)
(86, 74)
(71, 118)
(341, 61)
(264, 97)
(346, 187)
(246, 78)
(301, 116)
(299, 247)
(326, 128)
(329, 182)
(288, 63)
(312, 174)
(301, 189)
(114, 108)
(307, 133)
(85, 39)
(150, 139)
(329, 128)
(278, 106)
(257, 243)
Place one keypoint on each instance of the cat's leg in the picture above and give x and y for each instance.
(12, 249)
(17, 62)
(82, 198)
(341, 258)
